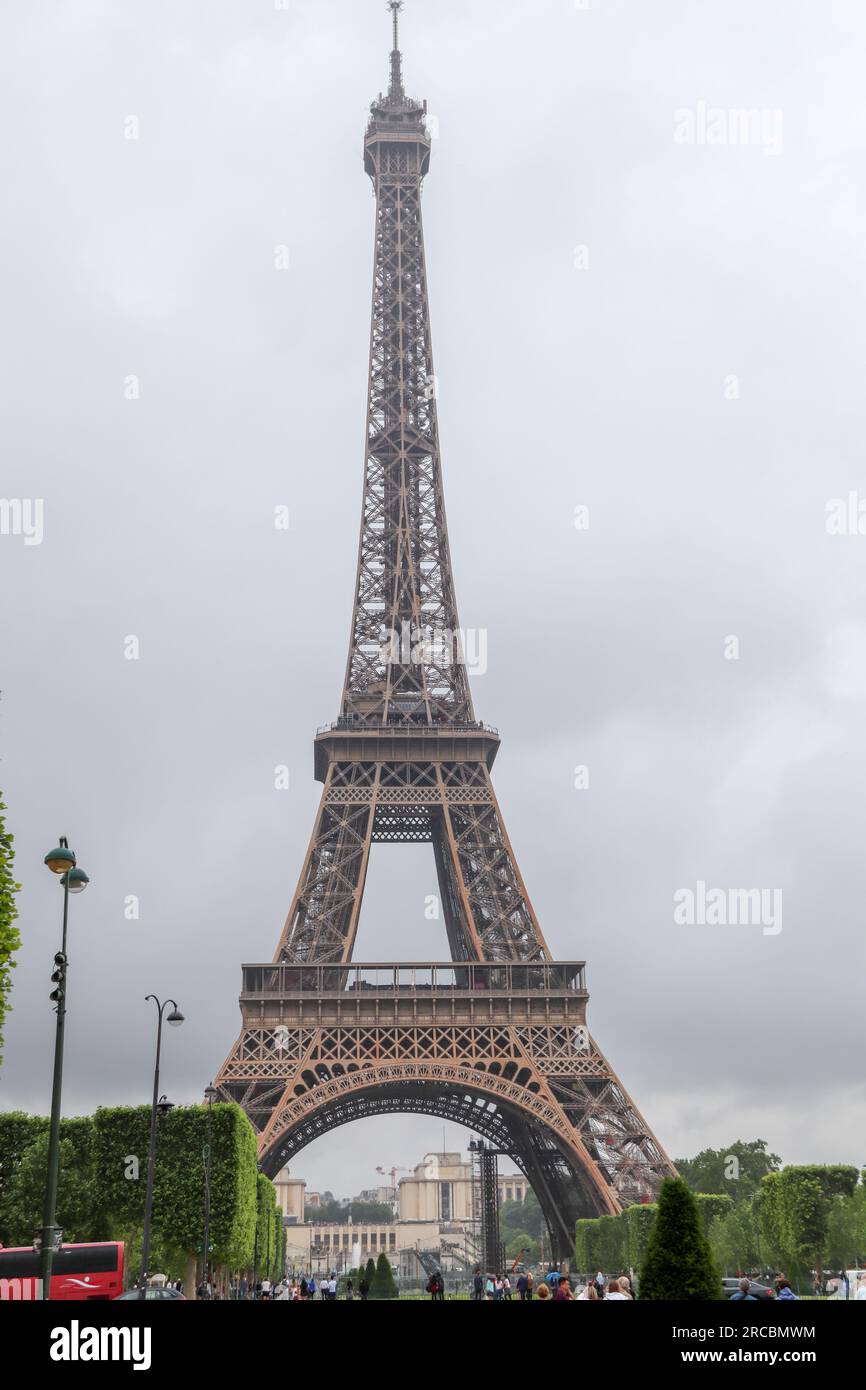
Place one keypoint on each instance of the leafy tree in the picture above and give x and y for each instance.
(522, 1216)
(586, 1244)
(103, 1174)
(76, 1211)
(370, 1271)
(10, 937)
(383, 1285)
(610, 1246)
(17, 1132)
(121, 1147)
(361, 1213)
(735, 1239)
(678, 1262)
(268, 1237)
(795, 1209)
(710, 1206)
(736, 1171)
(522, 1241)
(846, 1229)
(602, 1242)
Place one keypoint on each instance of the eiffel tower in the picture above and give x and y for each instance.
(496, 1038)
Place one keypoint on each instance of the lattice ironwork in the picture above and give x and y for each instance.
(405, 761)
(486, 1202)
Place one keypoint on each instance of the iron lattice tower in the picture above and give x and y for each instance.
(485, 1185)
(496, 1039)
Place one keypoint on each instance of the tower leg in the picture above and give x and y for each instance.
(323, 918)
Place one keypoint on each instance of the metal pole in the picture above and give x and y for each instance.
(207, 1198)
(50, 1211)
(151, 1155)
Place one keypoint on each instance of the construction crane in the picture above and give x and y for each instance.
(392, 1173)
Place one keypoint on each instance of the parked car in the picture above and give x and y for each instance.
(759, 1291)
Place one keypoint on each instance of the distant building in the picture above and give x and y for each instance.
(440, 1189)
(435, 1220)
(291, 1197)
(385, 1196)
(513, 1187)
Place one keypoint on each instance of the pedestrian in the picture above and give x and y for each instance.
(614, 1294)
(332, 1287)
(784, 1290)
(498, 1288)
(350, 1292)
(521, 1287)
(304, 1293)
(311, 1287)
(363, 1289)
(529, 1286)
(506, 1287)
(477, 1286)
(625, 1286)
(543, 1290)
(744, 1293)
(563, 1291)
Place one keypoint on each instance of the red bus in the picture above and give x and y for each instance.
(93, 1270)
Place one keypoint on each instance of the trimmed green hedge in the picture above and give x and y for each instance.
(613, 1244)
(269, 1233)
(104, 1177)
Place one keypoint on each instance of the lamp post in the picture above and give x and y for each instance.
(175, 1018)
(210, 1096)
(74, 880)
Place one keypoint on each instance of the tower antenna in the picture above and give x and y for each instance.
(395, 91)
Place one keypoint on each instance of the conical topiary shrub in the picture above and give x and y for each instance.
(370, 1271)
(383, 1285)
(678, 1263)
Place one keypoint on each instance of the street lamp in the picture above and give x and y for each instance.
(175, 1018)
(74, 880)
(210, 1096)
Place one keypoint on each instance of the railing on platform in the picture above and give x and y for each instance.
(356, 724)
(427, 977)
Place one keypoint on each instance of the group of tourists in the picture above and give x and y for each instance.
(616, 1290)
(554, 1286)
(301, 1290)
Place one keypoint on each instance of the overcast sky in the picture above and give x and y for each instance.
(670, 334)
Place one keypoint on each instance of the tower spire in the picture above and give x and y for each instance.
(395, 91)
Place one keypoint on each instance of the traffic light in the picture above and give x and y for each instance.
(58, 977)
